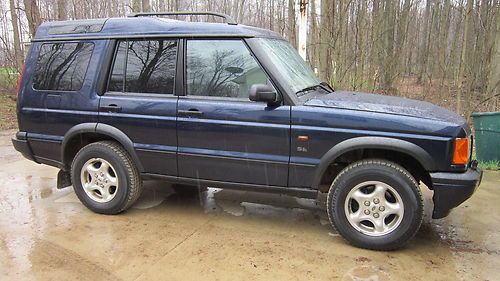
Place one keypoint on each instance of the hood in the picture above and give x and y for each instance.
(385, 104)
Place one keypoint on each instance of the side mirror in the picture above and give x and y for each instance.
(263, 93)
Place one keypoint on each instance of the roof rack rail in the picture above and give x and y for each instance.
(227, 19)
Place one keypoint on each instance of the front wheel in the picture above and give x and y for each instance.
(375, 204)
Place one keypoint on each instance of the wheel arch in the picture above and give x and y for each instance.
(85, 133)
(419, 157)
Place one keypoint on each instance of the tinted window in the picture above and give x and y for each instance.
(116, 81)
(62, 66)
(223, 68)
(144, 67)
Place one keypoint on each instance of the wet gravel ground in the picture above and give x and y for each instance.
(46, 234)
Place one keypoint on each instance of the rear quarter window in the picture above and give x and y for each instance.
(62, 66)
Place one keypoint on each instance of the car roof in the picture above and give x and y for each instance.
(141, 27)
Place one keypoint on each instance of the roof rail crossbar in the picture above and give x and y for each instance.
(227, 19)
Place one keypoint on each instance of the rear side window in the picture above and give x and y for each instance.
(62, 66)
(144, 66)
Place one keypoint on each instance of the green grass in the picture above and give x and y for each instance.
(493, 165)
(490, 165)
(7, 70)
(8, 78)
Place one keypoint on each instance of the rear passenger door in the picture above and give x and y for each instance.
(223, 136)
(140, 100)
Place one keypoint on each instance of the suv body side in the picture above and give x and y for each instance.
(294, 147)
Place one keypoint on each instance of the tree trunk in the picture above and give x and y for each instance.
(146, 7)
(424, 50)
(136, 6)
(32, 15)
(325, 60)
(465, 70)
(18, 53)
(292, 24)
(494, 75)
(389, 46)
(314, 38)
(61, 10)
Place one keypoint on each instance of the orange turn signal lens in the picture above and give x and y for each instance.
(461, 151)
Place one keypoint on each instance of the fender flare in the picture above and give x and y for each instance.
(106, 130)
(385, 143)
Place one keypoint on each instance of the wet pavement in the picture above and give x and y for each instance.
(46, 234)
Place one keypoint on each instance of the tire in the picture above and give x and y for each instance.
(109, 190)
(390, 208)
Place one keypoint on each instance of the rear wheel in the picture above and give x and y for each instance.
(105, 178)
(375, 204)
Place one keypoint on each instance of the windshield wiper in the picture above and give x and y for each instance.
(310, 88)
(330, 88)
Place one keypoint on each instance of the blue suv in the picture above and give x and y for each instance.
(113, 102)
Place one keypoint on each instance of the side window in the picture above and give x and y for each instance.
(223, 68)
(116, 80)
(62, 66)
(145, 66)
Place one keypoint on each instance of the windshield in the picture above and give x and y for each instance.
(295, 71)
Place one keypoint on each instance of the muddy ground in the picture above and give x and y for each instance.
(46, 234)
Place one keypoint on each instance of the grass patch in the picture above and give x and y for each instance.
(8, 118)
(493, 165)
(8, 78)
(490, 165)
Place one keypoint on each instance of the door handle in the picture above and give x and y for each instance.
(110, 108)
(190, 112)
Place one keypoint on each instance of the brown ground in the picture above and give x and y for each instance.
(8, 119)
(46, 234)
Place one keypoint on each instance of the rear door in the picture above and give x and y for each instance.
(223, 136)
(140, 100)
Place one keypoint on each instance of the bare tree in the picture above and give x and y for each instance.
(292, 24)
(61, 10)
(18, 53)
(32, 15)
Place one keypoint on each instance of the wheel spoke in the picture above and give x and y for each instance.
(111, 180)
(89, 186)
(379, 192)
(393, 208)
(379, 225)
(360, 197)
(104, 193)
(91, 169)
(104, 167)
(357, 217)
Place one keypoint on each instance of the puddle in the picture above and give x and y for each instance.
(153, 195)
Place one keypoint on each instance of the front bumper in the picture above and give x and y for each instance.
(452, 189)
(21, 144)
